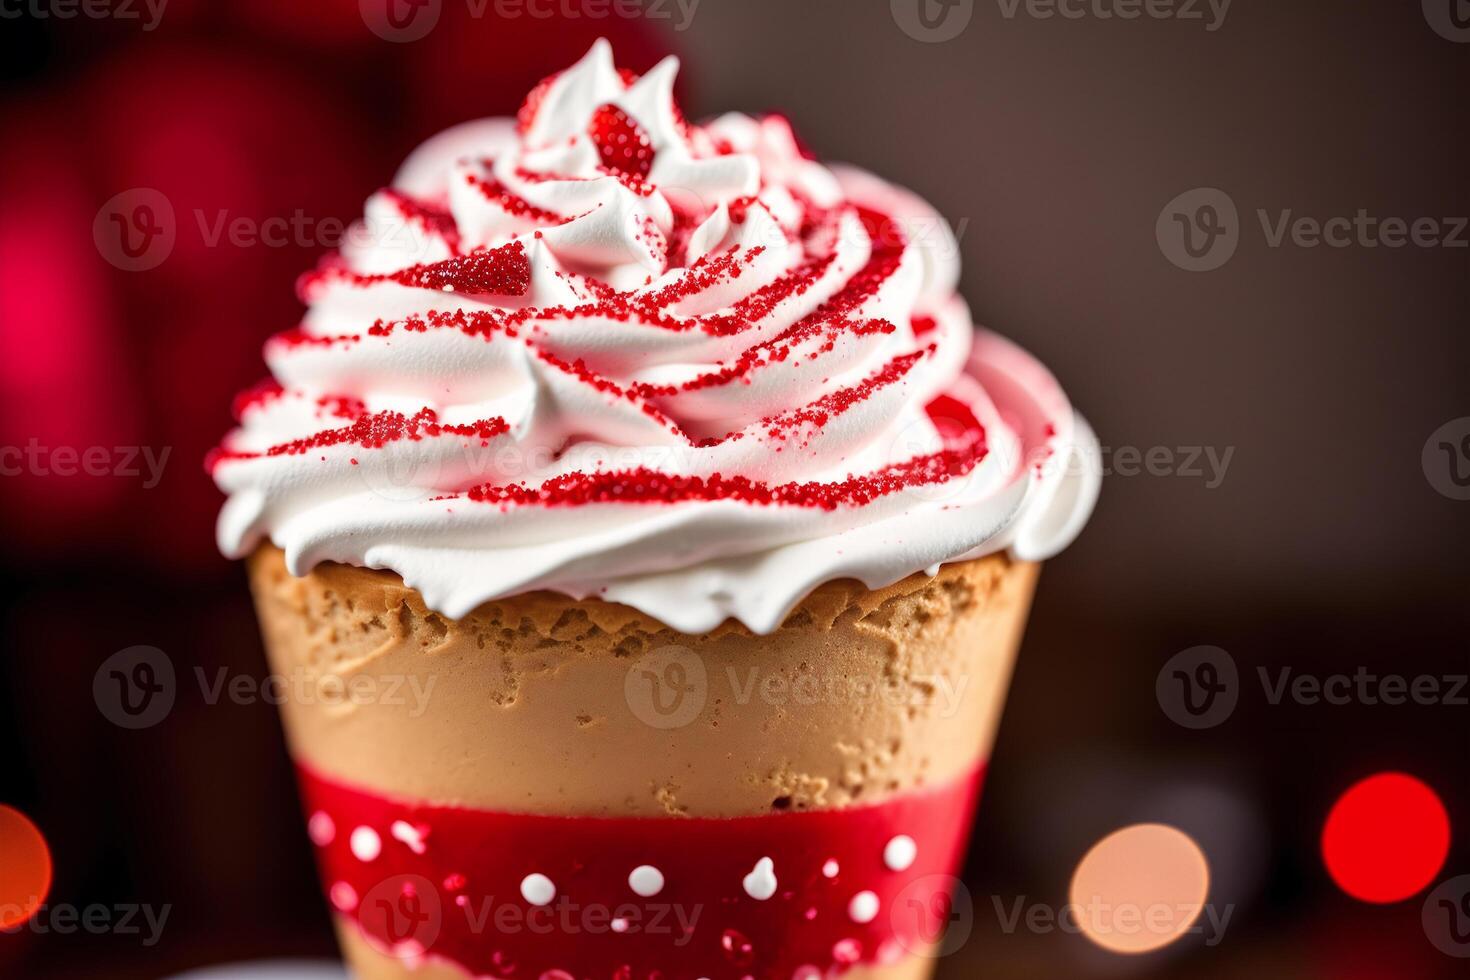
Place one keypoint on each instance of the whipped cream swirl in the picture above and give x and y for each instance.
(606, 352)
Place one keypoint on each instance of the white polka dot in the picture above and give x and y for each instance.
(619, 925)
(366, 844)
(537, 889)
(321, 829)
(900, 852)
(760, 884)
(343, 896)
(646, 880)
(408, 835)
(830, 869)
(863, 908)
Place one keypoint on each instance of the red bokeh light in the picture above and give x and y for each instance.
(1386, 838)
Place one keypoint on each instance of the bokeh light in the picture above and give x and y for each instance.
(1386, 838)
(25, 868)
(1140, 888)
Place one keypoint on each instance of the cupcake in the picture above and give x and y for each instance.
(643, 534)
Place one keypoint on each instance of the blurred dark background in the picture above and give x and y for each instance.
(1330, 543)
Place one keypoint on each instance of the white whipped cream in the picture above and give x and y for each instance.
(695, 317)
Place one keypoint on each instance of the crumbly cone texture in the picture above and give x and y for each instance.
(369, 964)
(542, 704)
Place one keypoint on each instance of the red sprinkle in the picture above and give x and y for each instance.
(621, 142)
(644, 486)
(503, 271)
(373, 432)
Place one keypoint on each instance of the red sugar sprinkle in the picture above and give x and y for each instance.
(526, 116)
(503, 271)
(644, 486)
(819, 412)
(621, 143)
(258, 394)
(511, 203)
(434, 219)
(373, 432)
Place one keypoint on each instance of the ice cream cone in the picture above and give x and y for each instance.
(530, 756)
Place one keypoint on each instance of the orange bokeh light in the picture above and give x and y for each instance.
(25, 868)
(1140, 888)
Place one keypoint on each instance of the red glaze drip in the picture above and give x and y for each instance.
(460, 900)
(953, 418)
(621, 143)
